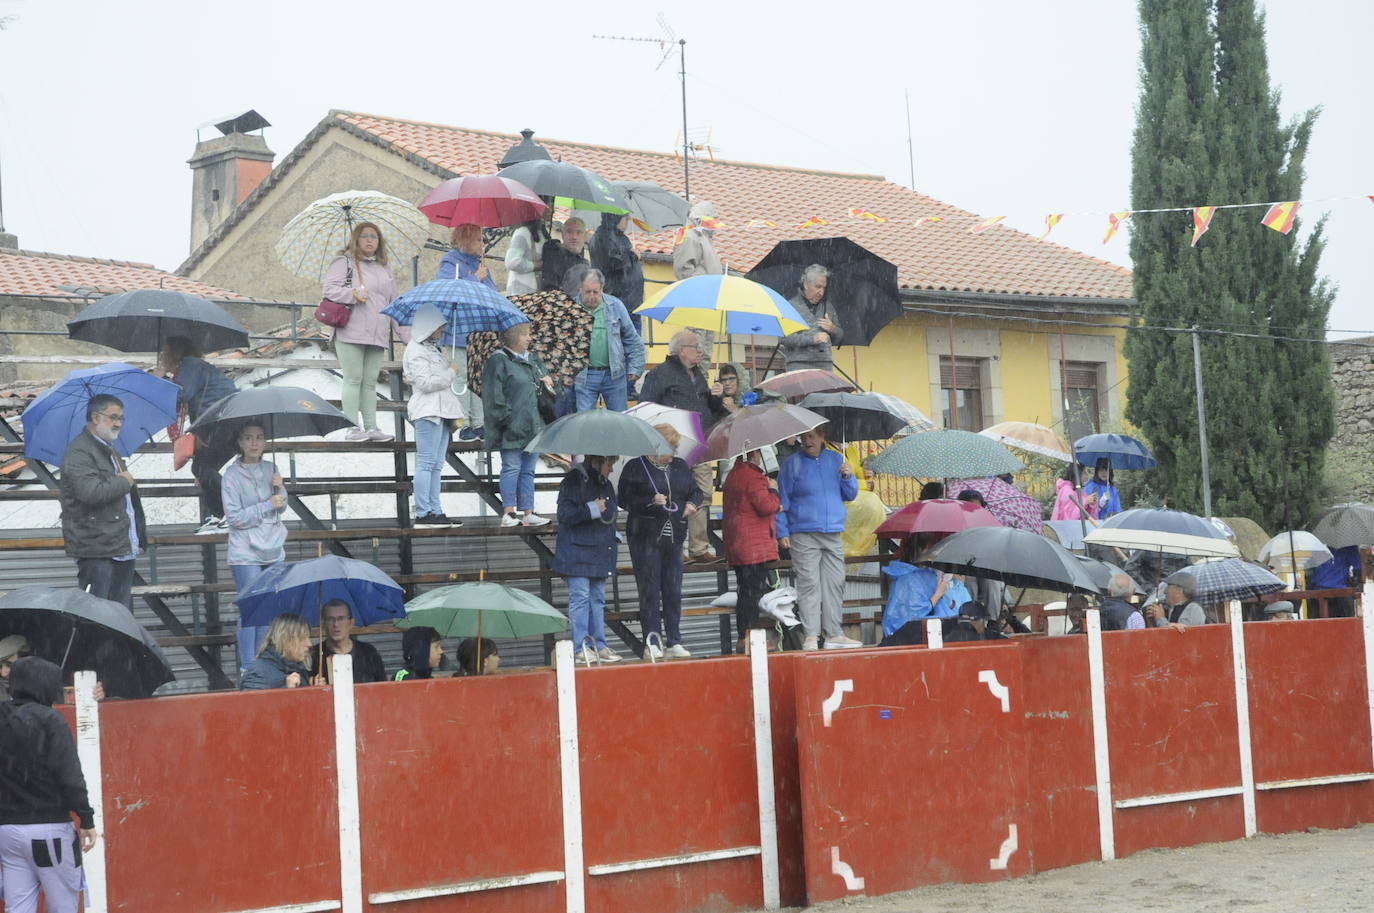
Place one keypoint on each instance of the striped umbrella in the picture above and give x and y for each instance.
(1224, 579)
(943, 454)
(311, 240)
(1346, 524)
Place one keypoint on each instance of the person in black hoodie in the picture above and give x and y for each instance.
(615, 256)
(41, 787)
(423, 651)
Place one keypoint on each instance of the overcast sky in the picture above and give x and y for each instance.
(1017, 108)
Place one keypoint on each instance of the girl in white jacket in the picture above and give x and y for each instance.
(432, 408)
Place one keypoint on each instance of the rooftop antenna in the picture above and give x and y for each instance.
(4, 21)
(666, 44)
(910, 155)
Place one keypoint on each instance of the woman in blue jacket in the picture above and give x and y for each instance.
(586, 550)
(1108, 498)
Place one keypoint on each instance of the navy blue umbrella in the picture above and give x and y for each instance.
(304, 586)
(1123, 451)
(142, 320)
(58, 414)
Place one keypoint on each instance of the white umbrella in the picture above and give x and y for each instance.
(311, 240)
(1159, 541)
(1295, 547)
(687, 424)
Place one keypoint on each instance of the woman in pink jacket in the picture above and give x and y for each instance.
(1067, 499)
(360, 278)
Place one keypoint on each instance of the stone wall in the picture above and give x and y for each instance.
(1349, 466)
(49, 316)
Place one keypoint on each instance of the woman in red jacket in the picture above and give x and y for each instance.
(750, 504)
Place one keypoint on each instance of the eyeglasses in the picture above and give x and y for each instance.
(690, 345)
(114, 419)
(369, 236)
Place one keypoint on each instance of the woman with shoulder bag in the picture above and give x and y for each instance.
(511, 384)
(360, 279)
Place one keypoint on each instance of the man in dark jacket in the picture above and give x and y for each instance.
(680, 383)
(1117, 613)
(102, 516)
(615, 256)
(336, 621)
(813, 346)
(559, 256)
(41, 787)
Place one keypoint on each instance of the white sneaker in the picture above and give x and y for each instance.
(376, 434)
(840, 642)
(652, 652)
(356, 435)
(678, 651)
(509, 520)
(810, 643)
(534, 520)
(607, 655)
(212, 525)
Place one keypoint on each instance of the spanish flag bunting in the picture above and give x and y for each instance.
(679, 235)
(1202, 220)
(857, 213)
(813, 221)
(641, 225)
(931, 219)
(1114, 223)
(711, 224)
(1051, 220)
(985, 225)
(765, 223)
(1280, 217)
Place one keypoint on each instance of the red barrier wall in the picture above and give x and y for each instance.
(782, 671)
(1309, 717)
(921, 773)
(458, 780)
(1171, 724)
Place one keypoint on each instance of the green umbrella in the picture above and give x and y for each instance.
(945, 454)
(483, 610)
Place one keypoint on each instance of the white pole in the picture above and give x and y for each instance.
(88, 754)
(346, 763)
(1247, 767)
(763, 762)
(935, 634)
(1106, 831)
(569, 754)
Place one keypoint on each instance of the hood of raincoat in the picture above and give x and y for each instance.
(12, 646)
(427, 319)
(704, 209)
(746, 380)
(611, 220)
(415, 649)
(35, 680)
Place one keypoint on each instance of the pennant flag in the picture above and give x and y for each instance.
(931, 219)
(857, 213)
(1202, 220)
(985, 225)
(756, 223)
(711, 224)
(1280, 217)
(813, 221)
(641, 225)
(1114, 223)
(679, 235)
(1051, 220)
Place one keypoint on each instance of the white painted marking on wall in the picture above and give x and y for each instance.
(663, 862)
(1247, 766)
(763, 764)
(999, 690)
(935, 634)
(464, 887)
(1190, 796)
(346, 761)
(88, 753)
(1004, 852)
(831, 704)
(570, 765)
(843, 870)
(1106, 831)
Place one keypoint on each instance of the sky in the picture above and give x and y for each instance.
(1017, 109)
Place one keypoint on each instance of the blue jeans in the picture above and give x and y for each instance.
(431, 441)
(250, 637)
(593, 381)
(587, 610)
(517, 479)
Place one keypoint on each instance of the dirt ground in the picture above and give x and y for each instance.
(1314, 872)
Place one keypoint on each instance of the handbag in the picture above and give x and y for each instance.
(183, 449)
(545, 400)
(332, 313)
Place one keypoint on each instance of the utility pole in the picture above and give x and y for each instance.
(666, 43)
(1202, 425)
(910, 152)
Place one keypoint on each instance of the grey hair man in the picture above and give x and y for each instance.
(814, 346)
(1117, 613)
(616, 352)
(1178, 611)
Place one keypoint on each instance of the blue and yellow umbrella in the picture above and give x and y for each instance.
(728, 304)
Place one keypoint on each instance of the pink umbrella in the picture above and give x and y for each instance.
(939, 515)
(1009, 504)
(488, 200)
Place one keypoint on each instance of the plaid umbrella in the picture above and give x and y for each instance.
(1007, 503)
(467, 307)
(945, 454)
(1233, 578)
(311, 240)
(1346, 524)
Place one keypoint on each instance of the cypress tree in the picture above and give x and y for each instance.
(1209, 131)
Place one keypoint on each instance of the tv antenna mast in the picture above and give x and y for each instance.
(666, 44)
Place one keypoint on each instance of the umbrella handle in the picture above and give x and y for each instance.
(589, 655)
(648, 642)
(70, 640)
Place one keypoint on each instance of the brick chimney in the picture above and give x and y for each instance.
(226, 169)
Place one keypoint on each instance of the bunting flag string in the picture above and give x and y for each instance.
(812, 222)
(1114, 222)
(1280, 217)
(1202, 220)
(985, 225)
(1051, 220)
(857, 213)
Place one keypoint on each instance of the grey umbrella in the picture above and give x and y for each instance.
(1102, 573)
(1346, 524)
(140, 321)
(1013, 556)
(283, 412)
(600, 432)
(569, 185)
(651, 207)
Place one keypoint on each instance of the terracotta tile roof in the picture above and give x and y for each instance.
(27, 272)
(935, 255)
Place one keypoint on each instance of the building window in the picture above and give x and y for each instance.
(961, 388)
(1083, 394)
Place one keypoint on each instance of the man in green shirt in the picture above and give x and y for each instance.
(616, 352)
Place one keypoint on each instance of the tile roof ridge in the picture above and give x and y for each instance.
(103, 261)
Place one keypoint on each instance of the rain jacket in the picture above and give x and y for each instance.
(557, 261)
(95, 502)
(586, 542)
(695, 254)
(429, 372)
(415, 651)
(624, 348)
(799, 348)
(673, 384)
(270, 670)
(510, 398)
(1066, 502)
(746, 383)
(367, 326)
(457, 264)
(520, 257)
(909, 598)
(367, 662)
(257, 534)
(40, 777)
(615, 256)
(813, 494)
(202, 385)
(749, 509)
(1108, 498)
(640, 481)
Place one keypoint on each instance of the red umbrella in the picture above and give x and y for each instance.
(940, 515)
(796, 385)
(488, 200)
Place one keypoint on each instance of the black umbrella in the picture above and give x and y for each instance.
(140, 321)
(1102, 573)
(568, 184)
(866, 416)
(282, 411)
(862, 286)
(1013, 556)
(78, 631)
(1346, 524)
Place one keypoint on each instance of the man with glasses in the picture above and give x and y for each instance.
(336, 623)
(102, 516)
(680, 382)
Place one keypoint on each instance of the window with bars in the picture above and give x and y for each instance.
(961, 388)
(1083, 393)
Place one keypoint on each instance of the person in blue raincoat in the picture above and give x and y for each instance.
(918, 593)
(1108, 498)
